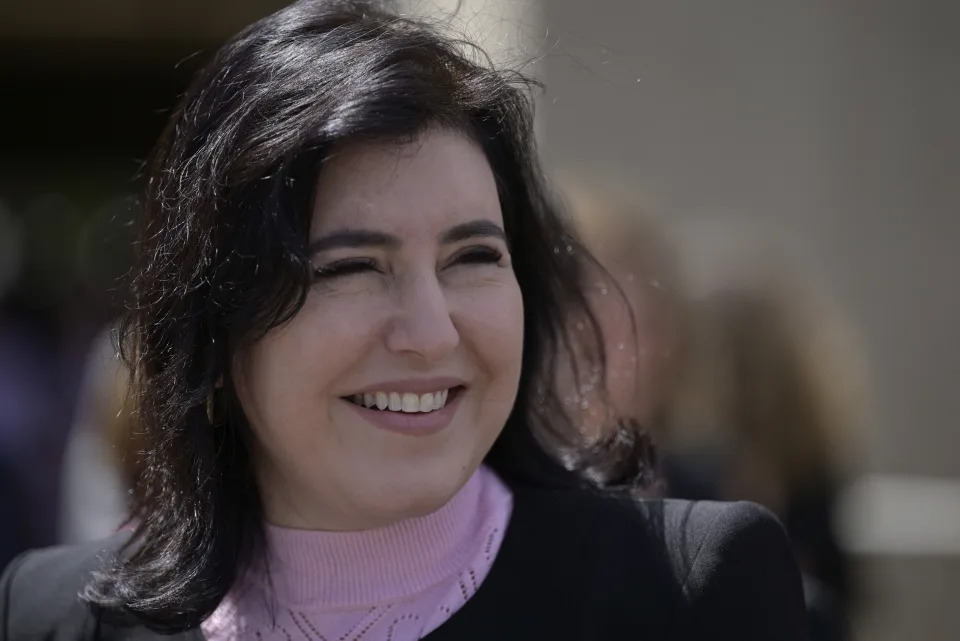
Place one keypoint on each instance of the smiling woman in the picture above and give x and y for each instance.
(414, 299)
(352, 296)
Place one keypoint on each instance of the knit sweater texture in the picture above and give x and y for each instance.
(395, 583)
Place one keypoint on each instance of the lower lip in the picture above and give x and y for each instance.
(411, 424)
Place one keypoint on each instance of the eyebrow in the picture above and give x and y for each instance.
(473, 229)
(353, 238)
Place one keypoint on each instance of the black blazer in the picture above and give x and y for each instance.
(573, 566)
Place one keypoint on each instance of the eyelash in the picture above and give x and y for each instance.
(350, 266)
(478, 255)
(345, 268)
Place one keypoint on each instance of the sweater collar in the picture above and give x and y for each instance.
(344, 569)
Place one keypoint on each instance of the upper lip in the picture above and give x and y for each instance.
(413, 385)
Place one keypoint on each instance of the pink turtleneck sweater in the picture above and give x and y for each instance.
(395, 583)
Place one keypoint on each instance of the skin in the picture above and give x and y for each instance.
(401, 301)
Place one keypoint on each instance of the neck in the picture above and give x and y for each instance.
(383, 563)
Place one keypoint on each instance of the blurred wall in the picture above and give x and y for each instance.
(831, 126)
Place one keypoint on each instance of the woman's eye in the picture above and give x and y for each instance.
(345, 268)
(478, 255)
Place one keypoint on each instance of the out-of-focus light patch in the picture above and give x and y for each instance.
(509, 31)
(901, 515)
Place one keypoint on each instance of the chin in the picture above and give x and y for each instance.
(418, 496)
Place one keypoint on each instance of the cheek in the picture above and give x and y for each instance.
(282, 377)
(490, 321)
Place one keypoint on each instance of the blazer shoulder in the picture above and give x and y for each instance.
(683, 569)
(738, 571)
(704, 534)
(40, 590)
(689, 536)
(686, 527)
(619, 534)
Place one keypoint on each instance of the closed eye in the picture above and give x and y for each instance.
(345, 267)
(477, 255)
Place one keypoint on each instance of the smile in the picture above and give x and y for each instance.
(409, 413)
(408, 402)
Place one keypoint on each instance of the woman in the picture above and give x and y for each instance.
(353, 288)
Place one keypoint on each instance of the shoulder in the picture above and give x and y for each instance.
(685, 531)
(739, 572)
(713, 565)
(699, 535)
(39, 590)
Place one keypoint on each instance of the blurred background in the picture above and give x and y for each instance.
(774, 185)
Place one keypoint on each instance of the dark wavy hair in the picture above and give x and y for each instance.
(223, 259)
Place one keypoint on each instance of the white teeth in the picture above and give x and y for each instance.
(426, 403)
(411, 403)
(403, 402)
(395, 404)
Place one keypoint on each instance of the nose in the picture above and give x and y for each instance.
(422, 325)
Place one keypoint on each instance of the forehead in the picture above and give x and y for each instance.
(440, 178)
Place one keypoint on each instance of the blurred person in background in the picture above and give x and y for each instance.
(32, 403)
(353, 287)
(749, 379)
(769, 404)
(636, 296)
(101, 463)
(55, 275)
(101, 459)
(30, 418)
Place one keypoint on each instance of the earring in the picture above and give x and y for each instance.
(212, 419)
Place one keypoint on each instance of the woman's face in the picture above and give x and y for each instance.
(381, 397)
